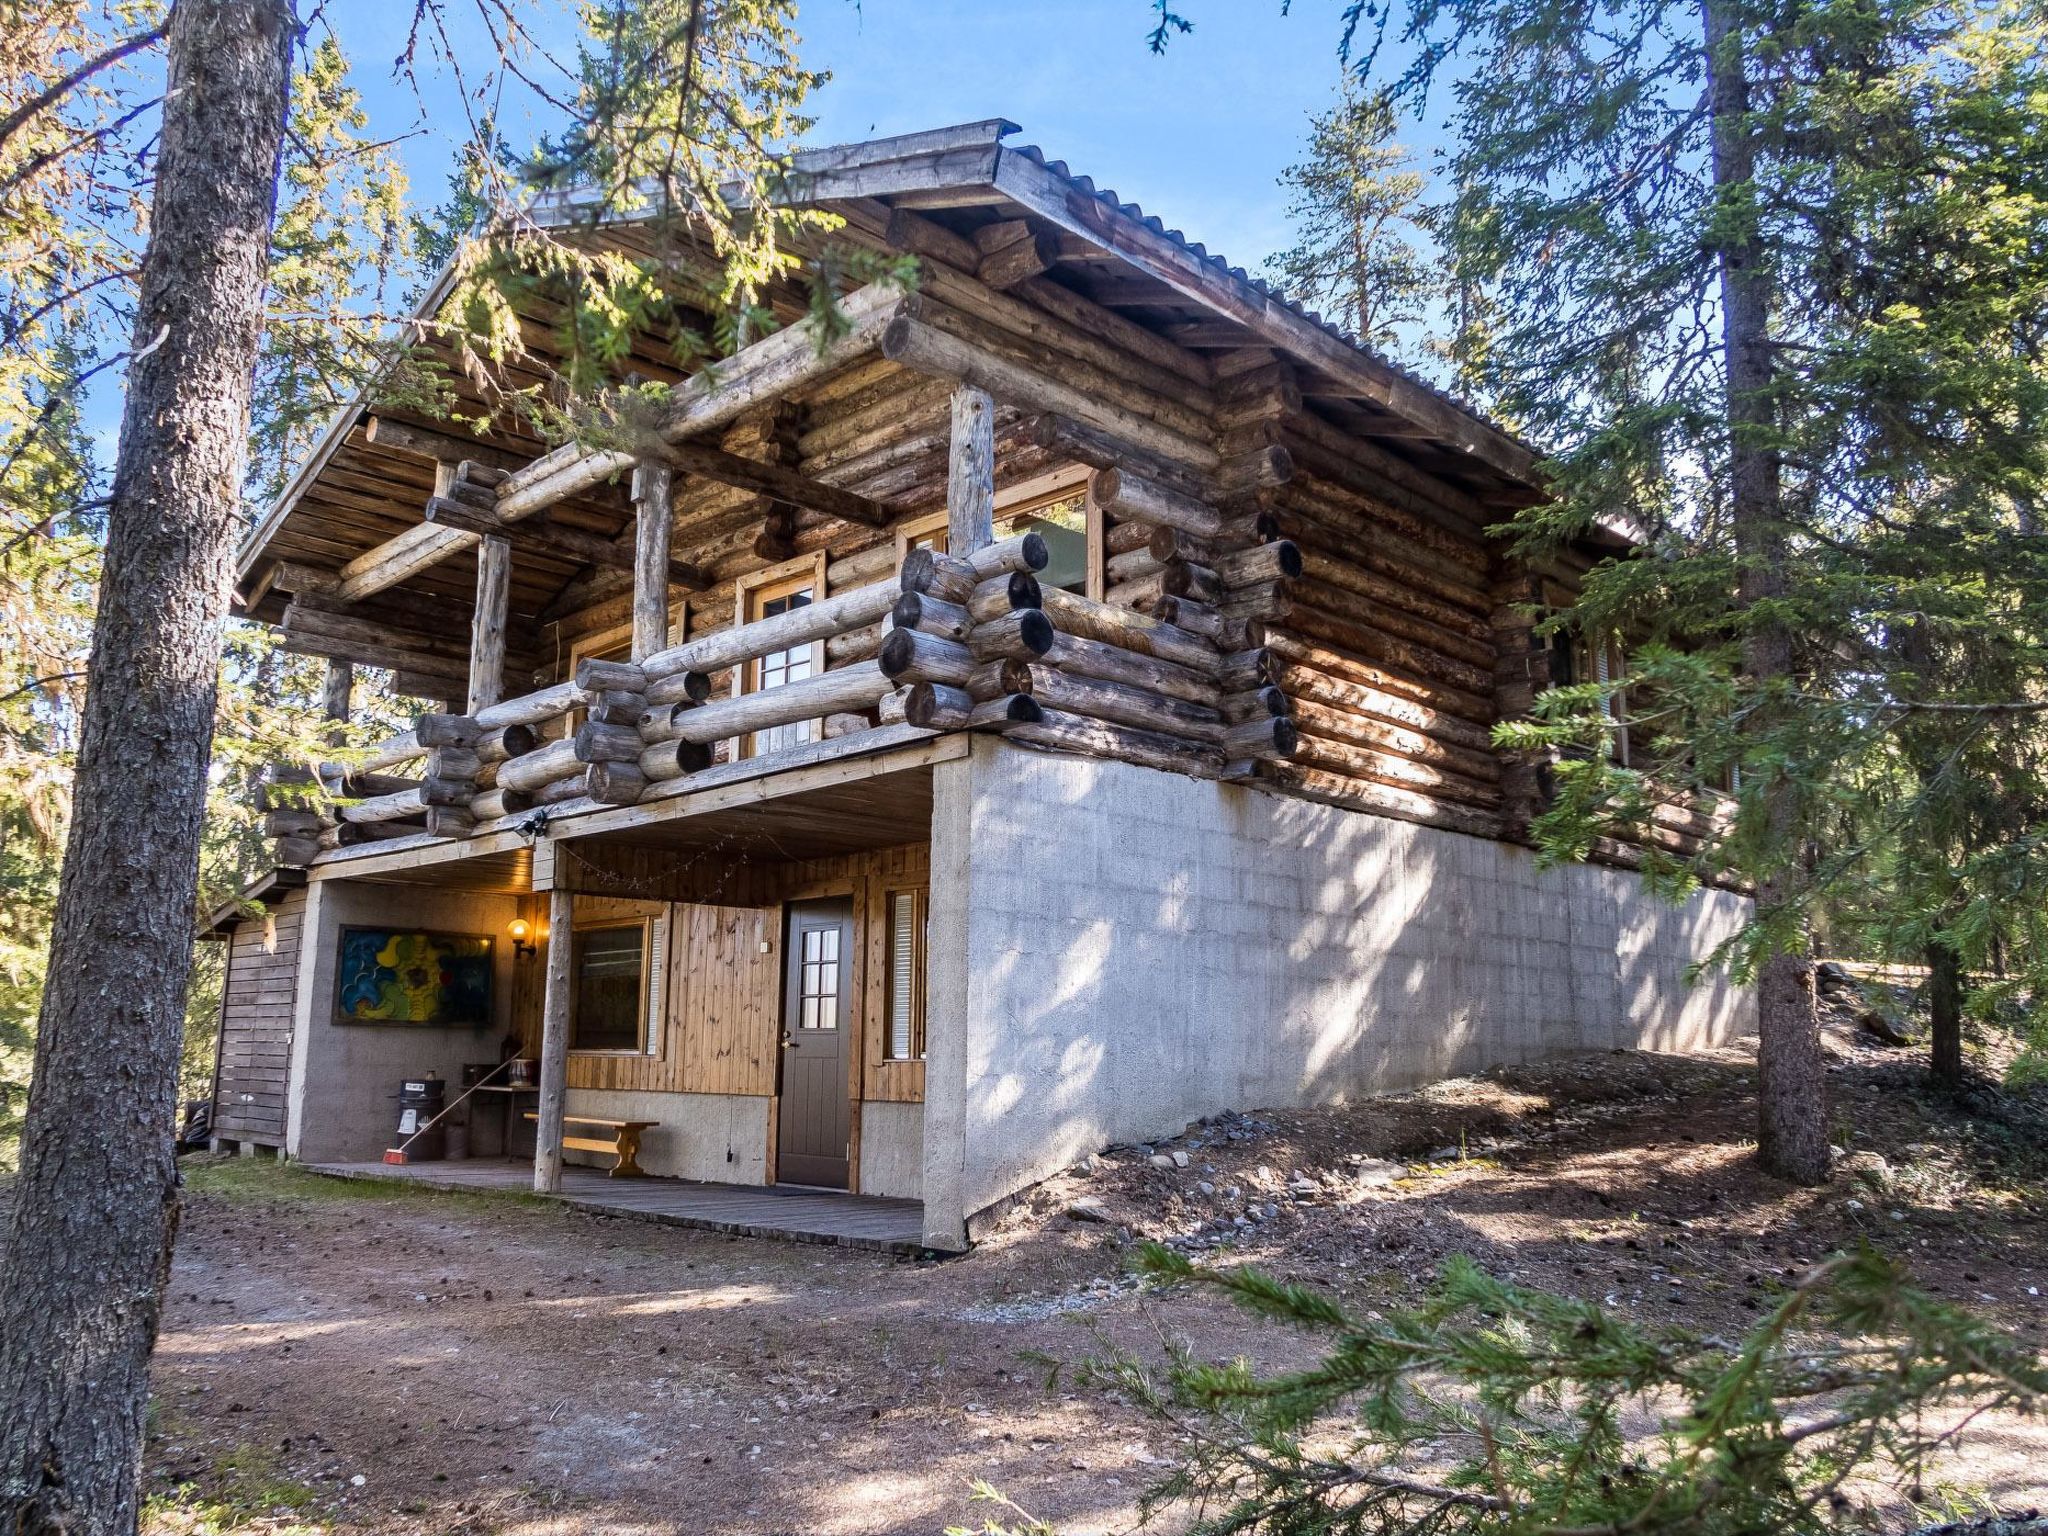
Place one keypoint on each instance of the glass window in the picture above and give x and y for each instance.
(608, 966)
(779, 667)
(905, 1039)
(818, 999)
(1064, 527)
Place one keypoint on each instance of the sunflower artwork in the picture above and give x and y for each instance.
(399, 976)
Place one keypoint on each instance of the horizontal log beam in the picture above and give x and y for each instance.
(744, 642)
(923, 347)
(442, 447)
(718, 395)
(775, 481)
(849, 688)
(539, 536)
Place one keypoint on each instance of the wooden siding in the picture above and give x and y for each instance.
(256, 1024)
(722, 1001)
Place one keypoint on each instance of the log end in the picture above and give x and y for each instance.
(1035, 630)
(898, 653)
(1021, 709)
(918, 565)
(1035, 553)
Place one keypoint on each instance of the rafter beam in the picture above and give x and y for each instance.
(769, 368)
(442, 447)
(540, 537)
(778, 482)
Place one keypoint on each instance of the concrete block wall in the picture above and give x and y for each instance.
(721, 1138)
(1117, 951)
(342, 1101)
(892, 1149)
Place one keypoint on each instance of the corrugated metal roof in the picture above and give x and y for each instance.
(1108, 198)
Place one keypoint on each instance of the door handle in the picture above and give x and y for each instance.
(789, 1042)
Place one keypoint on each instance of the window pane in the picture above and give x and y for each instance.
(1064, 527)
(780, 667)
(608, 966)
(902, 975)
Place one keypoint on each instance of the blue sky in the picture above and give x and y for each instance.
(1198, 136)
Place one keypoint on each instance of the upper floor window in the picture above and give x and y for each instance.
(1059, 517)
(787, 666)
(1575, 658)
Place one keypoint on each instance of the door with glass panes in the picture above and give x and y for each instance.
(814, 1121)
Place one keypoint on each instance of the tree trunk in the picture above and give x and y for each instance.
(1945, 1008)
(95, 1208)
(1791, 1075)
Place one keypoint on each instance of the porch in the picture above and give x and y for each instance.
(876, 1222)
(639, 959)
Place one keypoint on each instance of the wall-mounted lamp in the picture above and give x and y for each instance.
(522, 938)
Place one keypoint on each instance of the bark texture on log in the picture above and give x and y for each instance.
(1792, 1138)
(96, 1204)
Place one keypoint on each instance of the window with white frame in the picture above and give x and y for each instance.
(903, 1038)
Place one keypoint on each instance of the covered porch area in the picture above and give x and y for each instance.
(650, 966)
(795, 1215)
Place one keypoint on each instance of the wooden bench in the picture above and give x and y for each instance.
(623, 1143)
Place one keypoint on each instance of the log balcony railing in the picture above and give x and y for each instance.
(940, 643)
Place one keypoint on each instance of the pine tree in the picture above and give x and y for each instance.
(1483, 1408)
(1362, 252)
(95, 1206)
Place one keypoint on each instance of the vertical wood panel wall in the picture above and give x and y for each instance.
(723, 994)
(256, 1024)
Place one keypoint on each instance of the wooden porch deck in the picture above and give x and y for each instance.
(793, 1215)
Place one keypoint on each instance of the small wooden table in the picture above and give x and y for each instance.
(623, 1144)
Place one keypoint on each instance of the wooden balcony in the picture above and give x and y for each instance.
(936, 644)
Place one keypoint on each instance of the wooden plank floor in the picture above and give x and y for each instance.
(794, 1215)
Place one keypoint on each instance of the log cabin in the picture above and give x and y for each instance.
(1054, 710)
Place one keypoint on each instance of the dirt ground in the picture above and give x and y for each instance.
(339, 1358)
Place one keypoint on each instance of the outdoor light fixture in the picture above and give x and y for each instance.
(522, 938)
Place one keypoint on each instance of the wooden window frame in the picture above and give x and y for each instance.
(764, 586)
(648, 1043)
(1021, 500)
(920, 959)
(599, 641)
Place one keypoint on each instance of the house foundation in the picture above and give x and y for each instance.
(1179, 947)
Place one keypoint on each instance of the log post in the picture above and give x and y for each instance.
(336, 700)
(487, 623)
(554, 1046)
(652, 520)
(971, 473)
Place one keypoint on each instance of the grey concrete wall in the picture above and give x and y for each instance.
(345, 1077)
(1116, 952)
(718, 1137)
(892, 1149)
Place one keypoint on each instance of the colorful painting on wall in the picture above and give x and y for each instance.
(404, 976)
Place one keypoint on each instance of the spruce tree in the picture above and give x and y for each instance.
(1768, 281)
